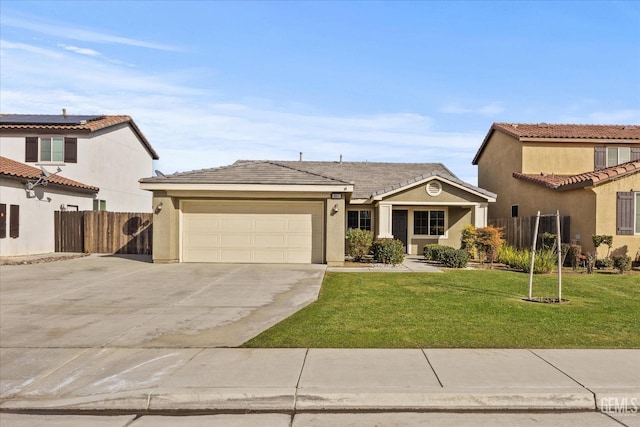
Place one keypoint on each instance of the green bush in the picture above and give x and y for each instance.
(436, 252)
(388, 251)
(456, 258)
(604, 263)
(622, 263)
(360, 242)
(519, 259)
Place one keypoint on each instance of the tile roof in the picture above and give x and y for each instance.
(369, 178)
(564, 133)
(76, 126)
(568, 182)
(12, 169)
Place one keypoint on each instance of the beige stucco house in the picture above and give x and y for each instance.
(94, 163)
(590, 173)
(299, 211)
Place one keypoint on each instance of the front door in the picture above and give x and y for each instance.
(399, 221)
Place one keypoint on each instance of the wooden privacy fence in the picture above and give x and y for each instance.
(519, 231)
(103, 232)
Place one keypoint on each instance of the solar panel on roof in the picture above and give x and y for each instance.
(45, 119)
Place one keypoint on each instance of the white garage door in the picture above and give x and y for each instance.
(252, 232)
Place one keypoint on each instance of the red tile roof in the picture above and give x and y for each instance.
(600, 134)
(86, 126)
(11, 168)
(568, 182)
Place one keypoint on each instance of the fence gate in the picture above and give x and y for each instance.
(104, 232)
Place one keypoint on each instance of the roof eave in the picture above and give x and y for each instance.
(323, 188)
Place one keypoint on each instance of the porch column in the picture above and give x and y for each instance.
(480, 215)
(385, 228)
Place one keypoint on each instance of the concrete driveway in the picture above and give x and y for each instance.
(100, 301)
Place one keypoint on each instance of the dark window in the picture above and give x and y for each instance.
(514, 211)
(359, 219)
(624, 213)
(14, 221)
(3, 220)
(429, 223)
(436, 223)
(421, 222)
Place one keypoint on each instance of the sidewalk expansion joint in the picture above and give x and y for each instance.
(432, 368)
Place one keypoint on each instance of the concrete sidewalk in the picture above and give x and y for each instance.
(232, 380)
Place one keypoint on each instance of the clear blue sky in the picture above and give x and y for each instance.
(212, 82)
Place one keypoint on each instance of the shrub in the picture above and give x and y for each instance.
(456, 258)
(468, 241)
(436, 252)
(388, 251)
(604, 263)
(520, 259)
(602, 239)
(548, 241)
(360, 242)
(622, 263)
(489, 240)
(573, 255)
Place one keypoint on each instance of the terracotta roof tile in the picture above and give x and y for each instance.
(600, 134)
(13, 169)
(85, 126)
(568, 182)
(562, 131)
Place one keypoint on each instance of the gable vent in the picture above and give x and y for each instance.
(434, 188)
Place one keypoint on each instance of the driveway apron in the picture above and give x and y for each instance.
(109, 301)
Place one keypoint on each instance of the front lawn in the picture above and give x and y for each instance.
(464, 309)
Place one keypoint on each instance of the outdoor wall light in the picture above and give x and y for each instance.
(159, 207)
(335, 208)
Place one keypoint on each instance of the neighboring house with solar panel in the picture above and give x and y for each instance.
(92, 163)
(590, 173)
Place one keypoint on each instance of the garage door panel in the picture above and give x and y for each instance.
(257, 232)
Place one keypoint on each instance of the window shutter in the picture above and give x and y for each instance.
(635, 153)
(600, 157)
(3, 221)
(624, 213)
(71, 150)
(14, 221)
(31, 149)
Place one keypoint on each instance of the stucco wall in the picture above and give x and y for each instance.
(559, 158)
(457, 219)
(449, 194)
(166, 226)
(606, 216)
(113, 160)
(501, 157)
(36, 216)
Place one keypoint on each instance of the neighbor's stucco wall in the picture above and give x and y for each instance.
(559, 158)
(112, 159)
(501, 157)
(166, 228)
(606, 216)
(36, 234)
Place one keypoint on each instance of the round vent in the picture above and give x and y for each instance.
(434, 188)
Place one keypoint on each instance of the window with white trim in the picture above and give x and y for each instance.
(429, 223)
(99, 205)
(628, 213)
(52, 149)
(359, 219)
(618, 155)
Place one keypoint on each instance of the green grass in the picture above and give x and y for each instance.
(464, 309)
